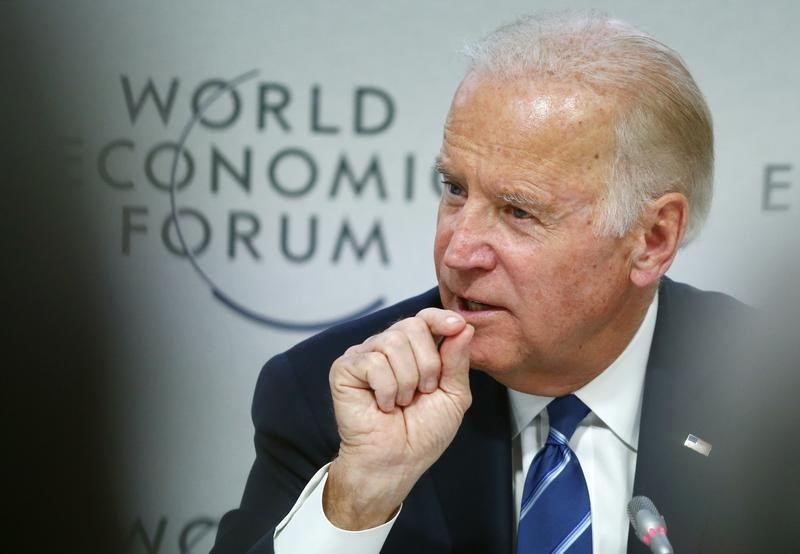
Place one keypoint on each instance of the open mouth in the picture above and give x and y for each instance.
(473, 306)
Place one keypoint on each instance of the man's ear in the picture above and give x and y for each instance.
(659, 236)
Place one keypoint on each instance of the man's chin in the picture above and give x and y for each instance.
(486, 364)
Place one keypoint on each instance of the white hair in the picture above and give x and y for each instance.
(664, 136)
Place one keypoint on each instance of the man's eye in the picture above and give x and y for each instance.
(455, 190)
(519, 213)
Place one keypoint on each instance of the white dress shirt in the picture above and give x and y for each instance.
(605, 444)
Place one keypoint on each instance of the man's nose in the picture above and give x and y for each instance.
(470, 242)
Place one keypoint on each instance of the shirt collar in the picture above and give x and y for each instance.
(614, 396)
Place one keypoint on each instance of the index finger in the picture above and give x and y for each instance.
(442, 323)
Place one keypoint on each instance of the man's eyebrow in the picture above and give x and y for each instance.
(524, 199)
(438, 164)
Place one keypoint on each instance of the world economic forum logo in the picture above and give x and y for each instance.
(217, 291)
(311, 188)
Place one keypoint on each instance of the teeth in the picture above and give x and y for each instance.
(474, 306)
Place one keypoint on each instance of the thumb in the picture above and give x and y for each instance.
(455, 362)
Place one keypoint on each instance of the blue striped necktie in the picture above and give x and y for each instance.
(555, 515)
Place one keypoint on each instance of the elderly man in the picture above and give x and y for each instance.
(554, 373)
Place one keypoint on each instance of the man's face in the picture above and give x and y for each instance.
(525, 165)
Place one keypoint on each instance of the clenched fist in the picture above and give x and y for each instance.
(399, 399)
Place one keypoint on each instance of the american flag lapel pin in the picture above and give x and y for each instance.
(697, 444)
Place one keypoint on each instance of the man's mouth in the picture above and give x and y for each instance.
(474, 306)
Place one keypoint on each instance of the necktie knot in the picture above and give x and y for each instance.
(565, 413)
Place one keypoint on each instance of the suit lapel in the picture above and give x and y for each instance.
(473, 477)
(675, 404)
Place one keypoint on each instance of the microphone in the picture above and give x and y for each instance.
(649, 525)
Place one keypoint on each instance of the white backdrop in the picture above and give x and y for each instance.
(338, 117)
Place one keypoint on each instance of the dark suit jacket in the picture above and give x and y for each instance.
(464, 502)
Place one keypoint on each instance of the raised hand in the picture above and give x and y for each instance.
(399, 399)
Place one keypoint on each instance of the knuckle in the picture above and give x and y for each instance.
(430, 366)
(369, 342)
(419, 325)
(350, 351)
(375, 361)
(394, 339)
(339, 369)
(338, 364)
(414, 330)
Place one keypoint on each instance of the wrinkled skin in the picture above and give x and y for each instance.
(524, 167)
